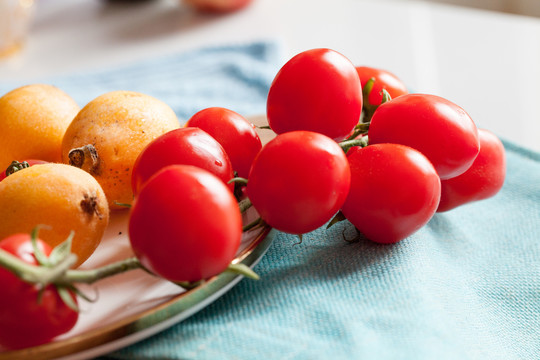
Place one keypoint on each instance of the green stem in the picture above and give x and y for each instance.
(52, 274)
(21, 269)
(239, 180)
(347, 144)
(360, 129)
(252, 224)
(243, 270)
(61, 274)
(368, 109)
(93, 275)
(244, 205)
(126, 205)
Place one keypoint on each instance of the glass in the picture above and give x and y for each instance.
(15, 17)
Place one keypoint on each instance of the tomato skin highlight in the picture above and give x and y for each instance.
(24, 320)
(317, 90)
(299, 181)
(383, 80)
(438, 128)
(482, 180)
(237, 135)
(185, 224)
(394, 191)
(185, 146)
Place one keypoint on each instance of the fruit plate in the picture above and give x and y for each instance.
(135, 305)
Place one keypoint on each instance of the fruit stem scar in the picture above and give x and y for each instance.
(89, 205)
(86, 158)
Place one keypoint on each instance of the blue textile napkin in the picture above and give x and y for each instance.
(236, 77)
(466, 286)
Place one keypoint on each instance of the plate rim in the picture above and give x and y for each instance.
(136, 327)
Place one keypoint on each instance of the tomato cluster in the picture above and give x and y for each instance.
(415, 154)
(350, 143)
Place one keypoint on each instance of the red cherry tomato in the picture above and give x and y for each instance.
(436, 127)
(185, 224)
(482, 180)
(317, 90)
(383, 80)
(299, 181)
(25, 319)
(237, 136)
(218, 6)
(186, 146)
(394, 191)
(21, 164)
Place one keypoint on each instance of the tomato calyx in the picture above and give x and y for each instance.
(48, 270)
(16, 166)
(368, 109)
(339, 217)
(56, 269)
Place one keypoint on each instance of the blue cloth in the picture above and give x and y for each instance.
(466, 286)
(235, 77)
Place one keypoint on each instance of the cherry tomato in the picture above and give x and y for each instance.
(436, 127)
(394, 191)
(185, 224)
(299, 181)
(482, 180)
(383, 80)
(186, 146)
(218, 6)
(237, 136)
(19, 166)
(26, 319)
(317, 90)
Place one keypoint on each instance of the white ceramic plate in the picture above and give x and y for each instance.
(135, 305)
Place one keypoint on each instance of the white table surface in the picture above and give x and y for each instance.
(487, 62)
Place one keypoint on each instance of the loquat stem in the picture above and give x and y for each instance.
(86, 158)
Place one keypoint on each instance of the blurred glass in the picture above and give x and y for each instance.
(15, 18)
